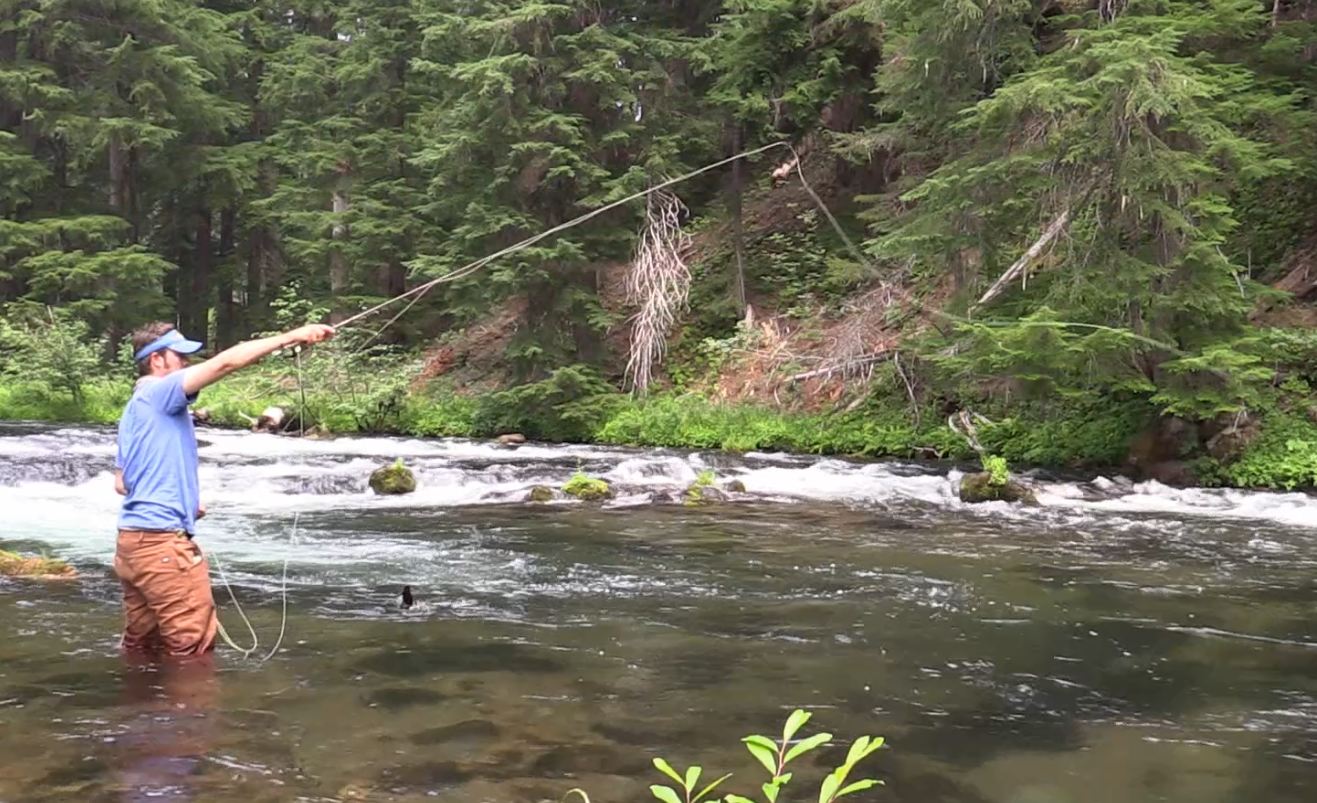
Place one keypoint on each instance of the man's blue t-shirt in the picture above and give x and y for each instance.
(158, 457)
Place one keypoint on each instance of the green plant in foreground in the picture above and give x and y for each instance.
(997, 470)
(705, 478)
(775, 756)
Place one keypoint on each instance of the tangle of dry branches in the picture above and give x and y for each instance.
(659, 284)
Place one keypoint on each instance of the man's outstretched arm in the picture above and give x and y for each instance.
(226, 362)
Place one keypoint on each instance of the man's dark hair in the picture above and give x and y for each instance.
(144, 336)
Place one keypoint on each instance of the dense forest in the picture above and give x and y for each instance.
(1101, 211)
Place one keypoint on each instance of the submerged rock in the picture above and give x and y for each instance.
(976, 488)
(587, 488)
(393, 480)
(541, 493)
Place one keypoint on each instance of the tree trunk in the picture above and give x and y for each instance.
(198, 305)
(738, 225)
(338, 262)
(226, 309)
(118, 176)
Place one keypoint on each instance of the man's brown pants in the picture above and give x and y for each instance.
(167, 602)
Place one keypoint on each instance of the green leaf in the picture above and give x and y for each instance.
(766, 757)
(692, 777)
(666, 768)
(665, 793)
(706, 790)
(795, 722)
(807, 745)
(859, 786)
(829, 786)
(737, 799)
(761, 740)
(771, 791)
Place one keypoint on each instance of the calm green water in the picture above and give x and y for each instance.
(1073, 653)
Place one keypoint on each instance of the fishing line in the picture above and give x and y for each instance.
(283, 622)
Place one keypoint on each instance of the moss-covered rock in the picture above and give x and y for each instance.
(541, 493)
(735, 487)
(976, 488)
(587, 488)
(393, 480)
(699, 494)
(13, 564)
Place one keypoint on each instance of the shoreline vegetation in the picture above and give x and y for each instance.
(1276, 451)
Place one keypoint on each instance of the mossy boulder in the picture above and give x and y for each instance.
(13, 564)
(541, 493)
(587, 488)
(735, 487)
(977, 488)
(701, 494)
(393, 480)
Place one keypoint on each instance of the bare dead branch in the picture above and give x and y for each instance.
(659, 284)
(1029, 257)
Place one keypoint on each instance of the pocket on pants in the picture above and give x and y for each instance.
(187, 555)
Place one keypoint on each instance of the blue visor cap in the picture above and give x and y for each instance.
(172, 340)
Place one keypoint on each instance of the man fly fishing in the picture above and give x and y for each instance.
(167, 600)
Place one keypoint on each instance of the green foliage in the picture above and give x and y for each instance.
(775, 756)
(570, 405)
(55, 351)
(996, 469)
(1285, 456)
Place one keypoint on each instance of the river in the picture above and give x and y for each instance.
(1115, 643)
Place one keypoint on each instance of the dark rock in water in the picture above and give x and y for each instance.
(407, 600)
(512, 439)
(393, 480)
(1166, 441)
(976, 488)
(541, 493)
(428, 776)
(472, 730)
(394, 699)
(735, 486)
(1175, 473)
(571, 760)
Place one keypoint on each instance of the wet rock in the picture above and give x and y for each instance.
(393, 480)
(977, 488)
(698, 494)
(735, 486)
(571, 760)
(1166, 440)
(471, 731)
(541, 493)
(394, 699)
(1175, 473)
(1228, 444)
(587, 488)
(512, 439)
(201, 416)
(429, 776)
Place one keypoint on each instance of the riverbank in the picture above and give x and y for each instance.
(1117, 436)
